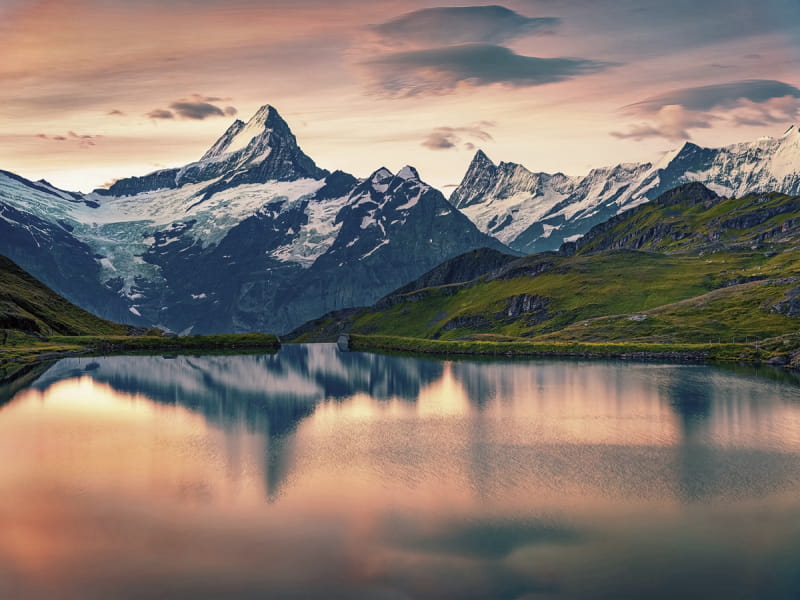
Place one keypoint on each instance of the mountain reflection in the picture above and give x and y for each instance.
(300, 373)
(267, 394)
(603, 404)
(318, 474)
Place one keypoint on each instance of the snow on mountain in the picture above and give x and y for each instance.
(261, 150)
(255, 236)
(316, 236)
(120, 229)
(537, 211)
(766, 164)
(36, 233)
(503, 200)
(252, 236)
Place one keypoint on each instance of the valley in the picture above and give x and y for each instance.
(689, 268)
(256, 237)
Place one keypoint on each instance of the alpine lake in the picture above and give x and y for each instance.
(314, 473)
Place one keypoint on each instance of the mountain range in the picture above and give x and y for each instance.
(533, 212)
(254, 236)
(689, 267)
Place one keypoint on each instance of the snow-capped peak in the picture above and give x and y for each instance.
(669, 156)
(381, 175)
(408, 172)
(263, 114)
(477, 180)
(480, 159)
(224, 141)
(240, 134)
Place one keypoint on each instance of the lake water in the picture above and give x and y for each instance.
(319, 474)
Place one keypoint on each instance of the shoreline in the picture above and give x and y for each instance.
(749, 353)
(57, 347)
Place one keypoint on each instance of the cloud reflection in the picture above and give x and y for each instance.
(318, 474)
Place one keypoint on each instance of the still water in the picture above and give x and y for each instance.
(319, 474)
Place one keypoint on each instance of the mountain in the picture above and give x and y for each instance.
(464, 267)
(251, 237)
(261, 150)
(534, 212)
(36, 234)
(690, 266)
(693, 218)
(27, 305)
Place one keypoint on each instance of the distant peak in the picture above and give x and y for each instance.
(264, 115)
(265, 120)
(380, 175)
(692, 193)
(264, 109)
(480, 159)
(408, 172)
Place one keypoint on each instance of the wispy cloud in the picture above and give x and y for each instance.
(453, 138)
(674, 114)
(196, 108)
(160, 113)
(461, 24)
(81, 140)
(775, 110)
(672, 122)
(441, 70)
(721, 95)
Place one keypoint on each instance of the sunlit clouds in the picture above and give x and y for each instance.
(450, 138)
(751, 102)
(197, 107)
(567, 85)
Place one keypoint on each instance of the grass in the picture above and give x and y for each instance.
(641, 350)
(199, 342)
(710, 277)
(781, 350)
(696, 225)
(742, 312)
(27, 304)
(614, 284)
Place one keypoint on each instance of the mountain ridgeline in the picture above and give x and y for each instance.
(534, 212)
(252, 237)
(691, 266)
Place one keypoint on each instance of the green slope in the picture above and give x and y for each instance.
(27, 305)
(690, 267)
(38, 324)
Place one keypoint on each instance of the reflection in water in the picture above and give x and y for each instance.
(266, 394)
(318, 474)
(691, 397)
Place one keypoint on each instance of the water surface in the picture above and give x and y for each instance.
(318, 474)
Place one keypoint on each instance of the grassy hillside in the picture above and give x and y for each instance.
(28, 305)
(690, 267)
(37, 323)
(693, 218)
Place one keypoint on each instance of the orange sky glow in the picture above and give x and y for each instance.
(90, 87)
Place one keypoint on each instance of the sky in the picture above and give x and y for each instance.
(96, 90)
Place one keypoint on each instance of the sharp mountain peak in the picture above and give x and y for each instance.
(264, 123)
